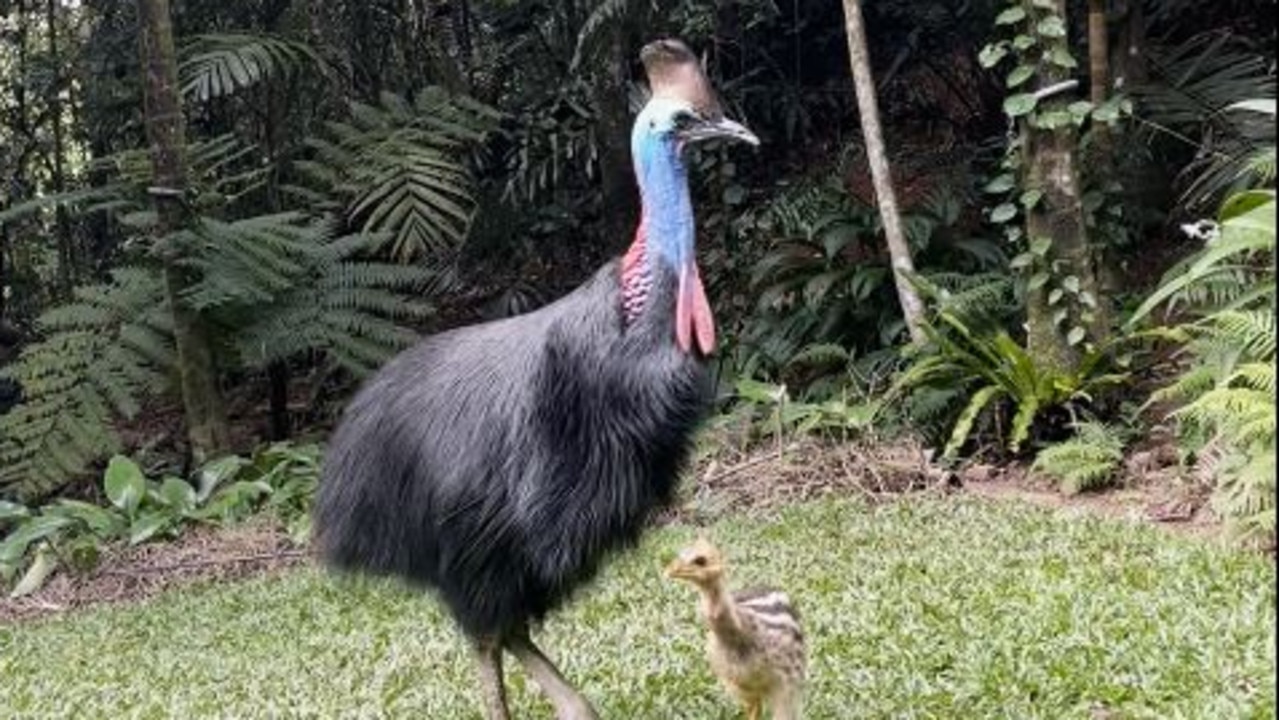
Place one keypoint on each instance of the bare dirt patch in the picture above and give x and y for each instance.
(130, 574)
(1159, 498)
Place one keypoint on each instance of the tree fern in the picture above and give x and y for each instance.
(398, 170)
(100, 354)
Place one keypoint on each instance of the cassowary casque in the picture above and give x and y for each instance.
(499, 464)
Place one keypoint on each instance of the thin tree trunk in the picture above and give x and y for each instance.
(1098, 52)
(880, 172)
(66, 254)
(620, 208)
(206, 422)
(1051, 168)
(1101, 155)
(1129, 61)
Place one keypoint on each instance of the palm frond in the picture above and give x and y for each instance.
(214, 66)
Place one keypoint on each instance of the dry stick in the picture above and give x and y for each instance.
(740, 467)
(206, 563)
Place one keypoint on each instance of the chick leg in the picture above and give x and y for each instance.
(569, 704)
(488, 659)
(752, 710)
(786, 705)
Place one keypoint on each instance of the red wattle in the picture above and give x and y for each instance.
(693, 317)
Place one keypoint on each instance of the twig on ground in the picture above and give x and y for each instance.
(259, 557)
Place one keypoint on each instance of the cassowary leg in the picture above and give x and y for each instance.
(569, 704)
(488, 659)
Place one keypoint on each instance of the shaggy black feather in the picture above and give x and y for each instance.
(501, 463)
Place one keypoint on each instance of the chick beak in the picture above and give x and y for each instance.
(674, 570)
(720, 127)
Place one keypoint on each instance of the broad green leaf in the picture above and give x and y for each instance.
(964, 425)
(105, 523)
(34, 528)
(1054, 120)
(124, 484)
(177, 494)
(1080, 109)
(1003, 213)
(1024, 42)
(1001, 184)
(146, 526)
(1051, 27)
(1076, 336)
(1061, 57)
(1244, 202)
(1055, 296)
(1031, 198)
(1027, 410)
(1037, 281)
(12, 511)
(992, 54)
(1023, 260)
(1020, 75)
(1107, 112)
(217, 472)
(1018, 105)
(1071, 283)
(45, 562)
(1011, 16)
(1040, 245)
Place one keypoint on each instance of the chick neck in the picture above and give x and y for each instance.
(718, 608)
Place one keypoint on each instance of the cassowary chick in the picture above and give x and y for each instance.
(754, 640)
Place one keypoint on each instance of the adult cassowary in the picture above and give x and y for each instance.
(499, 464)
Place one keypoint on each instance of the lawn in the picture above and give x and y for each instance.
(922, 608)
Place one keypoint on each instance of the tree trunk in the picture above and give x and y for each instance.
(881, 175)
(1101, 155)
(1052, 169)
(207, 428)
(619, 196)
(66, 253)
(1129, 61)
(1098, 55)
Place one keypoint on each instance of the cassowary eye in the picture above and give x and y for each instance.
(684, 120)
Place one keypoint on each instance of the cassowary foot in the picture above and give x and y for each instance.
(488, 659)
(569, 704)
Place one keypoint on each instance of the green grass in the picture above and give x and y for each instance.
(917, 609)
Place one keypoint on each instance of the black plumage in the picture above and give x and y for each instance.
(500, 464)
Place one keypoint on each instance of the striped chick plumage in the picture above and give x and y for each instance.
(755, 641)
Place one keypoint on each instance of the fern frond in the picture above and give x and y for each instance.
(1084, 462)
(97, 360)
(398, 170)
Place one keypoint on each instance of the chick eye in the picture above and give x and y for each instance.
(699, 561)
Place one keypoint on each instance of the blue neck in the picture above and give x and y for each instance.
(667, 207)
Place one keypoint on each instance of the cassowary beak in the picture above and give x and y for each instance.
(719, 128)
